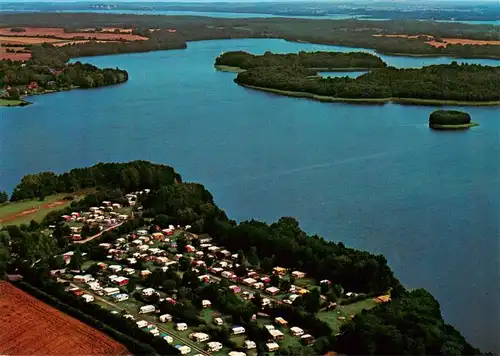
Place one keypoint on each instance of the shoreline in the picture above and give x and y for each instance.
(233, 69)
(378, 101)
(453, 127)
(4, 103)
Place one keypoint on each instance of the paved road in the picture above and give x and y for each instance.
(97, 235)
(160, 326)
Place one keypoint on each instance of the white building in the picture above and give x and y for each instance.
(296, 331)
(238, 330)
(181, 326)
(88, 298)
(214, 346)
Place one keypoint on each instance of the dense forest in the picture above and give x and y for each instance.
(410, 323)
(449, 117)
(18, 76)
(322, 60)
(460, 82)
(353, 33)
(126, 176)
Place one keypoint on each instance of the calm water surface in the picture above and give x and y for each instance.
(374, 177)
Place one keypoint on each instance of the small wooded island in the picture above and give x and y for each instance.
(18, 79)
(450, 120)
(296, 75)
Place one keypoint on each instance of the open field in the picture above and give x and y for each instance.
(462, 41)
(444, 41)
(56, 37)
(27, 210)
(331, 317)
(30, 327)
(4, 102)
(59, 33)
(13, 56)
(27, 40)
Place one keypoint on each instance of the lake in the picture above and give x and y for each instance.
(374, 177)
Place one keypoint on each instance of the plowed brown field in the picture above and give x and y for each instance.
(444, 41)
(31, 327)
(59, 33)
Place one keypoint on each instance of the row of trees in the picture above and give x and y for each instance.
(123, 176)
(464, 82)
(331, 60)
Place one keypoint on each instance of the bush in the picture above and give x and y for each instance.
(17, 29)
(449, 117)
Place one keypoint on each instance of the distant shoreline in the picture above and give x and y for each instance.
(232, 69)
(379, 101)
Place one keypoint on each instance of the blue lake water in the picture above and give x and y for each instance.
(374, 177)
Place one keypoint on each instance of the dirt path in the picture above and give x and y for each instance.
(97, 235)
(25, 212)
(160, 327)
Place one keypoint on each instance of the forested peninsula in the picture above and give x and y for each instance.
(402, 37)
(411, 323)
(32, 78)
(466, 84)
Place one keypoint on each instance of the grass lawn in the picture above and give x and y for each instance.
(22, 212)
(4, 102)
(239, 340)
(331, 316)
(304, 282)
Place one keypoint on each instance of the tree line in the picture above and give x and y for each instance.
(323, 60)
(124, 176)
(461, 82)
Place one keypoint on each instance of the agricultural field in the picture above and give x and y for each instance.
(22, 212)
(60, 34)
(30, 327)
(56, 37)
(443, 42)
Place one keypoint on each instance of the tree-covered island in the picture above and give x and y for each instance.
(294, 75)
(18, 79)
(345, 300)
(325, 61)
(450, 120)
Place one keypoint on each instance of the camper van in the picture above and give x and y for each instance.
(181, 327)
(165, 318)
(147, 309)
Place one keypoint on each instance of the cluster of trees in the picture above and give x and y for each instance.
(62, 76)
(351, 32)
(449, 117)
(313, 60)
(4, 197)
(123, 176)
(461, 82)
(409, 325)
